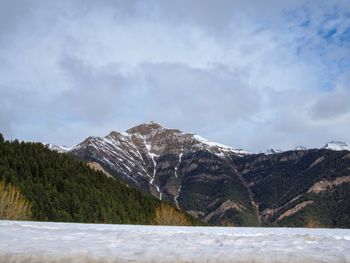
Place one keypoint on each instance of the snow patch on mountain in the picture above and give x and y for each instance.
(219, 145)
(272, 151)
(179, 181)
(300, 148)
(177, 166)
(337, 146)
(210, 143)
(57, 148)
(153, 157)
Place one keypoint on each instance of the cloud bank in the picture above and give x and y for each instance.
(247, 74)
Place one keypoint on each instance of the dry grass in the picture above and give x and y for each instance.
(227, 223)
(313, 223)
(13, 205)
(169, 216)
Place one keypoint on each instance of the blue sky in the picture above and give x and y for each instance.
(250, 74)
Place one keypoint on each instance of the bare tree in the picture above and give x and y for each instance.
(168, 215)
(13, 205)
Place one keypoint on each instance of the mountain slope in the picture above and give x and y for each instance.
(62, 188)
(173, 166)
(223, 185)
(299, 188)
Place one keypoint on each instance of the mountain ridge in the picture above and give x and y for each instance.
(144, 127)
(219, 184)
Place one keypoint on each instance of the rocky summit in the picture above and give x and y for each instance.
(222, 185)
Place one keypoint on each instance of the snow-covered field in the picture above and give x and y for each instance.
(61, 242)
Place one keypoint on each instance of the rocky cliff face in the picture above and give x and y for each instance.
(185, 169)
(222, 185)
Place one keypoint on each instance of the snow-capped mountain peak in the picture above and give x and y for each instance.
(144, 154)
(146, 128)
(57, 148)
(337, 146)
(300, 148)
(272, 151)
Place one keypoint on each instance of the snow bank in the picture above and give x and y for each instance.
(60, 242)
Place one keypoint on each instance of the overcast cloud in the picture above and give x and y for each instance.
(250, 74)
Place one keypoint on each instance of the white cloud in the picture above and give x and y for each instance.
(332, 105)
(248, 74)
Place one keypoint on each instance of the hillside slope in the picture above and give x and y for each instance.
(300, 188)
(62, 188)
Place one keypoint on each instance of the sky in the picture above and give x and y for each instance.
(249, 74)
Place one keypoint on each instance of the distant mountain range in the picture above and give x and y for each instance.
(227, 186)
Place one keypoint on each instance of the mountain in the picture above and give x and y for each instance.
(57, 148)
(272, 151)
(193, 173)
(299, 188)
(337, 146)
(300, 148)
(61, 188)
(144, 154)
(226, 186)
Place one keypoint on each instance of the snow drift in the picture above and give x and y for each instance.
(63, 242)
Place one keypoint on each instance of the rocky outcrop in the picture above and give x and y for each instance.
(325, 185)
(294, 210)
(228, 204)
(97, 167)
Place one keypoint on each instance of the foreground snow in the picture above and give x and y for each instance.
(60, 242)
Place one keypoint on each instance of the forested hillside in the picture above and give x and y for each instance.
(307, 188)
(61, 188)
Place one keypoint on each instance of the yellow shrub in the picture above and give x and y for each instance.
(313, 223)
(167, 215)
(13, 205)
